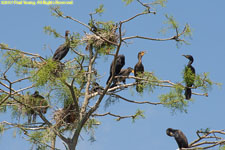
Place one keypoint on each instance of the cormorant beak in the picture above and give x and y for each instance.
(132, 71)
(184, 56)
(143, 52)
(170, 133)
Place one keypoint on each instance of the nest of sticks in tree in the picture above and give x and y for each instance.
(66, 116)
(97, 40)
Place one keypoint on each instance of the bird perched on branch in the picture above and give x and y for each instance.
(63, 49)
(124, 73)
(189, 76)
(138, 71)
(179, 137)
(96, 87)
(120, 62)
(38, 103)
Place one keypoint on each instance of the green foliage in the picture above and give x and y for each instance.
(2, 128)
(110, 101)
(90, 127)
(55, 11)
(139, 113)
(100, 9)
(222, 148)
(161, 2)
(64, 96)
(48, 30)
(75, 40)
(171, 22)
(174, 100)
(152, 81)
(3, 46)
(203, 82)
(188, 31)
(3, 107)
(46, 73)
(41, 138)
(91, 124)
(189, 76)
(11, 57)
(22, 63)
(204, 131)
(128, 1)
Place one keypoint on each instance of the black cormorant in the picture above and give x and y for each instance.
(138, 70)
(96, 87)
(179, 137)
(120, 62)
(125, 73)
(189, 76)
(39, 104)
(63, 49)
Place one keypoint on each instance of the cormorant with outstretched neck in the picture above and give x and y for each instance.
(138, 70)
(179, 137)
(63, 49)
(189, 76)
(120, 62)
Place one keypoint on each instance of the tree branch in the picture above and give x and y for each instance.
(136, 102)
(119, 117)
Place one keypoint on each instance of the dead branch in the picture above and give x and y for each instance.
(136, 102)
(119, 117)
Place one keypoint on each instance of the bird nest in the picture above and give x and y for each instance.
(101, 38)
(66, 116)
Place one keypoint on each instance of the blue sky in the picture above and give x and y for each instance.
(22, 27)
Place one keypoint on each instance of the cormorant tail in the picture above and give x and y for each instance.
(187, 93)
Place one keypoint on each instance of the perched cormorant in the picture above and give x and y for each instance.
(120, 62)
(138, 70)
(38, 103)
(63, 49)
(189, 76)
(96, 87)
(179, 137)
(125, 73)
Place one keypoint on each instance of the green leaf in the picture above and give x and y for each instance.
(100, 9)
(171, 21)
(2, 128)
(48, 30)
(161, 2)
(139, 113)
(3, 45)
(128, 1)
(174, 100)
(188, 31)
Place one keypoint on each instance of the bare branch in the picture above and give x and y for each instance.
(176, 37)
(207, 135)
(136, 102)
(119, 117)
(19, 80)
(91, 62)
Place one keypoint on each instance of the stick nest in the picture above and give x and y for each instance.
(98, 41)
(65, 116)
